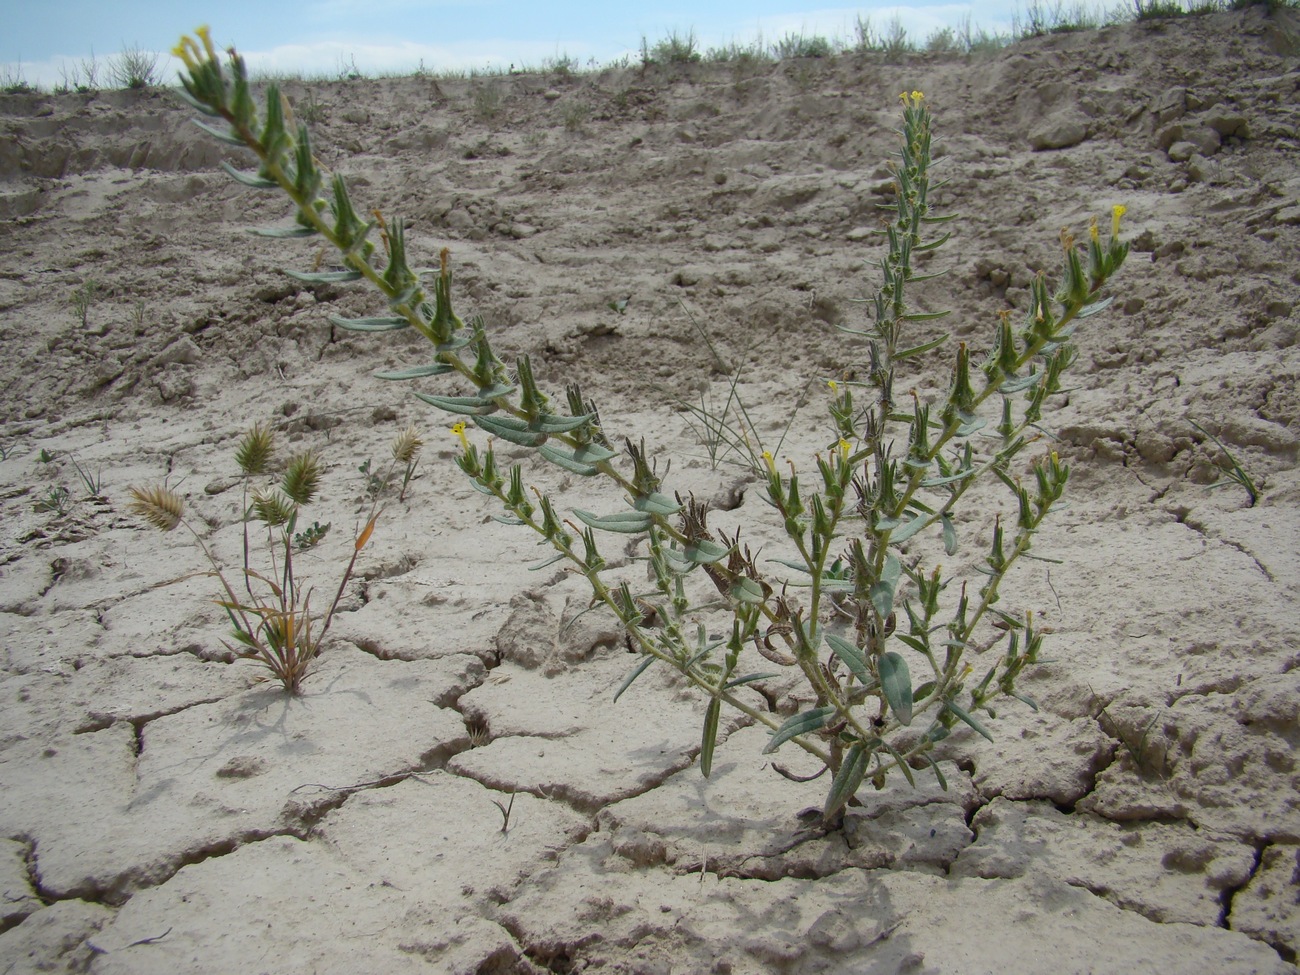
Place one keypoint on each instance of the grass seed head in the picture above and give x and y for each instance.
(159, 506)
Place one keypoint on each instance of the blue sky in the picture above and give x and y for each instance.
(38, 37)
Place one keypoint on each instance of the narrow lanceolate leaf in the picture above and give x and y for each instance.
(847, 779)
(506, 429)
(460, 405)
(747, 679)
(376, 324)
(224, 135)
(324, 277)
(593, 453)
(851, 656)
(705, 552)
(896, 682)
(565, 460)
(920, 349)
(968, 718)
(882, 591)
(1019, 383)
(1095, 307)
(899, 535)
(949, 535)
(283, 232)
(545, 562)
(710, 737)
(940, 481)
(902, 764)
(637, 671)
(799, 724)
(416, 372)
(627, 522)
(658, 504)
(746, 590)
(934, 767)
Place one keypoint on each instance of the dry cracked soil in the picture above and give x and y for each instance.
(161, 810)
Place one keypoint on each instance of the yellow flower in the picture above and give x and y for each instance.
(1117, 211)
(834, 386)
(205, 35)
(1092, 229)
(918, 96)
(844, 449)
(188, 51)
(768, 462)
(459, 430)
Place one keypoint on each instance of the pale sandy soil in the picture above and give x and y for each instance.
(161, 812)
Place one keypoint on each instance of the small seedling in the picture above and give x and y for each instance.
(94, 483)
(57, 500)
(45, 456)
(310, 537)
(1235, 473)
(505, 812)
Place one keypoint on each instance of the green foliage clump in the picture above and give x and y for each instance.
(891, 650)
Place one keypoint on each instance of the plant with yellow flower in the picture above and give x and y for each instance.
(885, 645)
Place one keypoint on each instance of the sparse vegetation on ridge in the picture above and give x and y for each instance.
(134, 67)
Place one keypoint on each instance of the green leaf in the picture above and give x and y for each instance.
(934, 767)
(949, 535)
(593, 453)
(901, 535)
(799, 724)
(637, 671)
(896, 682)
(566, 461)
(507, 429)
(747, 679)
(920, 349)
(705, 552)
(912, 642)
(851, 656)
(882, 591)
(384, 324)
(710, 737)
(324, 277)
(847, 780)
(417, 372)
(907, 769)
(460, 405)
(227, 137)
(968, 718)
(283, 232)
(746, 590)
(545, 562)
(658, 504)
(627, 522)
(971, 425)
(1095, 307)
(940, 481)
(1019, 383)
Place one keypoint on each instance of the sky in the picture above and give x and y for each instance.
(42, 42)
